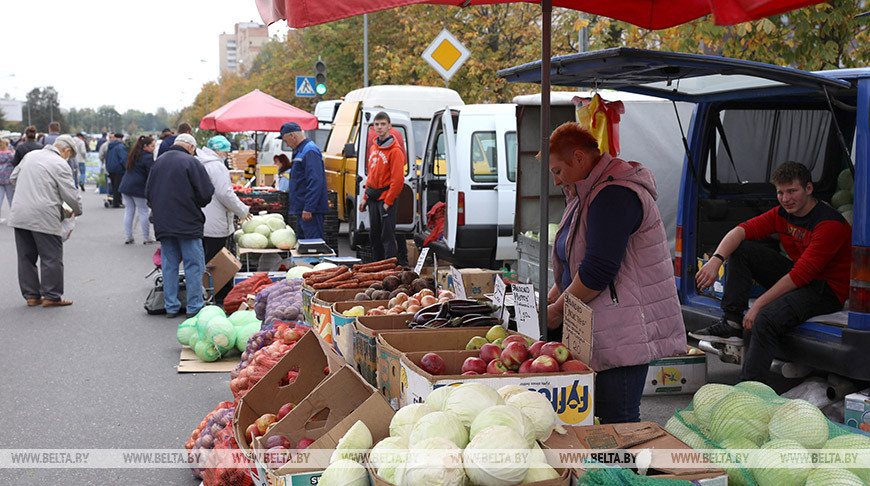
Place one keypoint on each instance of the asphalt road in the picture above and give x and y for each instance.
(101, 374)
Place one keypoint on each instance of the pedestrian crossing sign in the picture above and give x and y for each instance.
(305, 86)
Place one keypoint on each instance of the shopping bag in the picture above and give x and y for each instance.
(66, 228)
(155, 304)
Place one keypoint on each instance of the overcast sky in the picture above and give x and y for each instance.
(133, 55)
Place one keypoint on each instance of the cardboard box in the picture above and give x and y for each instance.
(365, 344)
(478, 281)
(392, 345)
(413, 253)
(676, 375)
(342, 327)
(222, 268)
(311, 355)
(325, 415)
(319, 315)
(857, 413)
(633, 437)
(242, 276)
(571, 393)
(718, 286)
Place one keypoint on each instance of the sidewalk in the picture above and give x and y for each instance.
(100, 373)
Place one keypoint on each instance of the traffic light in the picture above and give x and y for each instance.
(320, 77)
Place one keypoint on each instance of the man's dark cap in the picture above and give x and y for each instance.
(290, 127)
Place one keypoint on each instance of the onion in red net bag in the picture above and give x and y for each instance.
(219, 420)
(226, 465)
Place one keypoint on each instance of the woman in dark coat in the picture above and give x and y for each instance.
(139, 163)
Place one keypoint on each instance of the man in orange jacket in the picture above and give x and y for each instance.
(386, 177)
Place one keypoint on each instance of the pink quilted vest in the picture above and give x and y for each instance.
(645, 322)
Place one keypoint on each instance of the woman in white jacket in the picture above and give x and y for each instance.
(224, 204)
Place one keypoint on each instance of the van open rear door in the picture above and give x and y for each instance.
(452, 213)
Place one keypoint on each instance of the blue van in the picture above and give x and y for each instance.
(749, 117)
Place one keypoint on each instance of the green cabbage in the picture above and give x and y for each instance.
(538, 409)
(833, 477)
(847, 215)
(243, 335)
(253, 240)
(845, 181)
(405, 418)
(185, 330)
(432, 462)
(275, 224)
(438, 398)
(391, 450)
(221, 332)
(344, 473)
(206, 351)
(844, 208)
(242, 318)
(780, 463)
(740, 414)
(801, 421)
(508, 391)
(263, 229)
(537, 454)
(283, 239)
(737, 476)
(539, 472)
(854, 442)
(297, 272)
(469, 399)
(249, 225)
(841, 197)
(353, 445)
(324, 266)
(507, 416)
(705, 398)
(487, 469)
(238, 234)
(757, 388)
(438, 424)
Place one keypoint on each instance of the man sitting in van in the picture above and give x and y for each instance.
(812, 280)
(386, 178)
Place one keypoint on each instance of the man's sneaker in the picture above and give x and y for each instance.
(720, 332)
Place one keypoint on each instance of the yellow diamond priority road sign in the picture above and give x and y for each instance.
(446, 54)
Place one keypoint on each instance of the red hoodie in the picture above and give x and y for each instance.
(386, 168)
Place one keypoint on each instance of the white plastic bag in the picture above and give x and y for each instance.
(66, 227)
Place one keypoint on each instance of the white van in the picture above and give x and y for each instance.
(470, 164)
(325, 113)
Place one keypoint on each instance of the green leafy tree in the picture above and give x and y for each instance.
(44, 108)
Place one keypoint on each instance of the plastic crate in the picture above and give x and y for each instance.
(273, 202)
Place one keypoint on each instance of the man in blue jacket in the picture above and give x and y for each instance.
(116, 165)
(308, 198)
(178, 188)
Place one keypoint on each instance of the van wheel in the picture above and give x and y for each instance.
(351, 227)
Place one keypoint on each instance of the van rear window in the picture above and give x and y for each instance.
(761, 140)
(484, 157)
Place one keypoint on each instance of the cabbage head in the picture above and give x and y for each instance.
(539, 471)
(439, 424)
(801, 421)
(855, 442)
(833, 477)
(740, 414)
(504, 415)
(508, 391)
(482, 466)
(296, 273)
(185, 330)
(275, 224)
(469, 399)
(538, 409)
(344, 473)
(354, 444)
(206, 351)
(392, 450)
(438, 398)
(406, 417)
(249, 225)
(432, 462)
(705, 398)
(283, 239)
(242, 318)
(221, 332)
(263, 229)
(243, 335)
(780, 463)
(253, 240)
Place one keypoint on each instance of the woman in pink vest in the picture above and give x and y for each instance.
(611, 252)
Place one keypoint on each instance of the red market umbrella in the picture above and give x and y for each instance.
(649, 14)
(256, 111)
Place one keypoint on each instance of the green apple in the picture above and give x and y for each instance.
(475, 343)
(496, 332)
(499, 342)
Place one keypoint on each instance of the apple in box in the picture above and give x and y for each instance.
(535, 348)
(496, 367)
(477, 365)
(496, 332)
(514, 338)
(544, 364)
(285, 409)
(432, 363)
(514, 354)
(573, 365)
(556, 350)
(526, 367)
(475, 343)
(490, 352)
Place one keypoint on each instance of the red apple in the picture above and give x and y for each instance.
(304, 443)
(573, 365)
(510, 372)
(489, 352)
(557, 350)
(277, 440)
(476, 365)
(526, 367)
(285, 409)
(276, 457)
(469, 373)
(535, 348)
(432, 364)
(265, 421)
(496, 367)
(514, 354)
(251, 432)
(513, 338)
(544, 364)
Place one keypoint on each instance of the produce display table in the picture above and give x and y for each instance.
(246, 253)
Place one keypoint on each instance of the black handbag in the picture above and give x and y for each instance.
(154, 303)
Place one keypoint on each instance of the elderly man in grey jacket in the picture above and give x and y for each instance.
(43, 183)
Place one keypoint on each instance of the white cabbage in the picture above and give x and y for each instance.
(344, 473)
(354, 444)
(406, 417)
(439, 424)
(538, 409)
(497, 456)
(504, 415)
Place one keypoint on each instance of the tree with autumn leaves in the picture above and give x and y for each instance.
(823, 36)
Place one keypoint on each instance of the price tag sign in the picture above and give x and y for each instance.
(525, 305)
(498, 294)
(421, 261)
(577, 328)
(458, 284)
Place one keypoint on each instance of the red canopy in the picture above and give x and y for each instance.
(256, 111)
(650, 14)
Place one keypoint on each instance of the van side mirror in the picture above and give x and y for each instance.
(349, 150)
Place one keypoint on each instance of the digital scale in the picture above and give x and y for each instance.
(314, 246)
